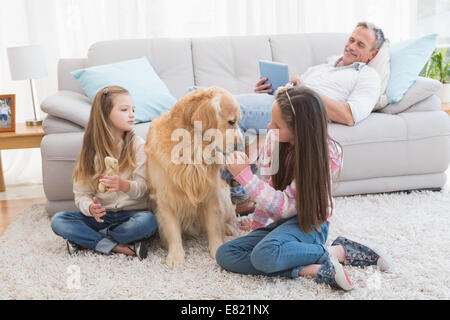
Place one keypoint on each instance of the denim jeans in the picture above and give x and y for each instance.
(120, 227)
(279, 249)
(255, 109)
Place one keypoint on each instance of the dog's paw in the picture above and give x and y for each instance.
(175, 259)
(230, 229)
(213, 249)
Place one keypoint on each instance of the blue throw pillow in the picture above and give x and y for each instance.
(407, 60)
(151, 96)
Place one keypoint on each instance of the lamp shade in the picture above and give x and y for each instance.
(27, 62)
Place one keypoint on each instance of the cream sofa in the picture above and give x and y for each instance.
(386, 152)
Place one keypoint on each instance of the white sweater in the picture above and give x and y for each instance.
(135, 199)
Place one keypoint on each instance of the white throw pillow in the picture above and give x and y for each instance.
(381, 63)
(421, 89)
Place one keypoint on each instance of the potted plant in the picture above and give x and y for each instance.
(437, 68)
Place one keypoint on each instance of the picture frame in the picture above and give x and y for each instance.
(7, 112)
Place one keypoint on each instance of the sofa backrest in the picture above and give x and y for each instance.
(229, 62)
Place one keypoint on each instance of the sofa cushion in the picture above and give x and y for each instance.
(65, 80)
(324, 45)
(421, 89)
(229, 62)
(381, 63)
(151, 96)
(68, 105)
(294, 50)
(407, 60)
(141, 129)
(386, 145)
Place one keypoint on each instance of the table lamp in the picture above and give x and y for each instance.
(28, 63)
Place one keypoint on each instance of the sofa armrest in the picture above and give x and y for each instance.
(68, 105)
(52, 124)
(432, 103)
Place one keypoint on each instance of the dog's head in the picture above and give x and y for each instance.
(215, 113)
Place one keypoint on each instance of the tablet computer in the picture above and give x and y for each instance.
(276, 73)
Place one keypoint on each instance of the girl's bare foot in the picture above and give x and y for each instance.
(309, 271)
(121, 248)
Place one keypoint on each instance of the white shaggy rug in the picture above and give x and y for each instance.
(413, 228)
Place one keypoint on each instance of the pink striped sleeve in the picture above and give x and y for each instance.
(273, 203)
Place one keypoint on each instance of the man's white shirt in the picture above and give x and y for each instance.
(357, 84)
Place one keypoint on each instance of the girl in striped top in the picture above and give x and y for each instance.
(293, 189)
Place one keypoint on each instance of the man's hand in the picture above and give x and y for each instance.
(115, 183)
(262, 87)
(295, 80)
(97, 211)
(236, 162)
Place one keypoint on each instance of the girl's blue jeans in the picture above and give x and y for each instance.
(279, 249)
(120, 227)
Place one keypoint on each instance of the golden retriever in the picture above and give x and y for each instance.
(184, 177)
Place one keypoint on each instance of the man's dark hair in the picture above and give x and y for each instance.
(379, 35)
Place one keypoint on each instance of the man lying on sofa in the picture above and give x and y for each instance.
(349, 88)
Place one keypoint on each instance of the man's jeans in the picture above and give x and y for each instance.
(256, 109)
(279, 249)
(120, 227)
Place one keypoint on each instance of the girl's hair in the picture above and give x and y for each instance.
(308, 160)
(99, 141)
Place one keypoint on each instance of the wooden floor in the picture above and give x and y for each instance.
(9, 209)
(16, 198)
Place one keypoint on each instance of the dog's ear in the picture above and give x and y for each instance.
(204, 106)
(208, 113)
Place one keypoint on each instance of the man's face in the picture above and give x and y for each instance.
(359, 46)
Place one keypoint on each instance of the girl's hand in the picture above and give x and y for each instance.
(96, 210)
(236, 162)
(245, 224)
(115, 183)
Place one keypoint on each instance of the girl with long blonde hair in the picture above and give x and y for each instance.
(116, 220)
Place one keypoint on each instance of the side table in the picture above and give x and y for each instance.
(24, 137)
